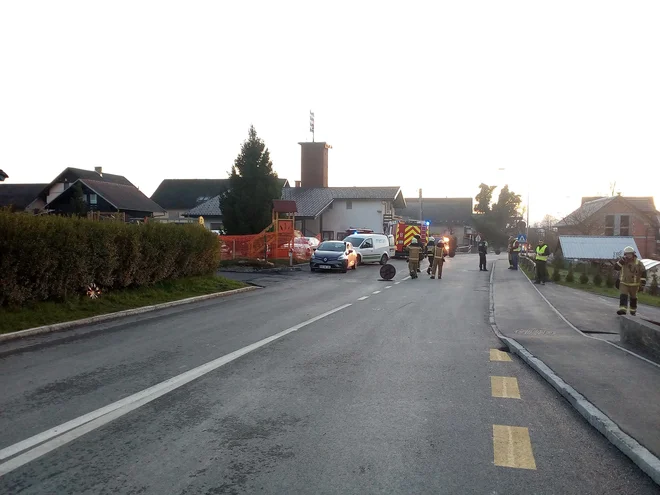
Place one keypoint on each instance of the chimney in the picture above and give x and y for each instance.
(99, 170)
(298, 183)
(314, 164)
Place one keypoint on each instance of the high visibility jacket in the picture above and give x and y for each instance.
(430, 249)
(542, 253)
(414, 252)
(439, 252)
(632, 273)
(516, 247)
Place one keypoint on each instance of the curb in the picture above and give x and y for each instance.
(639, 454)
(295, 268)
(68, 325)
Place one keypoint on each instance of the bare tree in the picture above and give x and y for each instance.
(585, 221)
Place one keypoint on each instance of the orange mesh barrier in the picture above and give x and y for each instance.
(266, 245)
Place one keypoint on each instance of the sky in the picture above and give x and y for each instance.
(557, 99)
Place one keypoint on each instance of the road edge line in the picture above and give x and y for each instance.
(636, 452)
(69, 325)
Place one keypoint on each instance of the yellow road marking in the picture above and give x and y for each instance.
(505, 387)
(512, 447)
(496, 355)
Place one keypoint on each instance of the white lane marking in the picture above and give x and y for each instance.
(376, 292)
(406, 278)
(397, 283)
(581, 332)
(66, 432)
(388, 287)
(363, 298)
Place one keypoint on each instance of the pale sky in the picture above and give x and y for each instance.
(565, 96)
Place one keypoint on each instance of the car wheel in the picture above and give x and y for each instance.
(359, 260)
(383, 259)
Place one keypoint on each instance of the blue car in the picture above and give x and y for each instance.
(334, 255)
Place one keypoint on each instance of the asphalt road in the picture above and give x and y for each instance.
(375, 387)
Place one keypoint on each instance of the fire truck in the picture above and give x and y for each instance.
(405, 232)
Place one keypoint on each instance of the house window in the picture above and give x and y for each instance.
(349, 204)
(609, 225)
(341, 236)
(93, 199)
(624, 228)
(328, 235)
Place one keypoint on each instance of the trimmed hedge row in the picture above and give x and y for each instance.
(51, 257)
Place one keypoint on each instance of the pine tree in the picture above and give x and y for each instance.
(78, 203)
(253, 185)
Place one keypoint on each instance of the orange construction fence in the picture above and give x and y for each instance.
(267, 245)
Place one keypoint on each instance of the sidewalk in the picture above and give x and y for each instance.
(622, 386)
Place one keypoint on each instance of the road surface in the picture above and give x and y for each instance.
(367, 387)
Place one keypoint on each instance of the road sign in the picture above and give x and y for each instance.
(522, 238)
(478, 238)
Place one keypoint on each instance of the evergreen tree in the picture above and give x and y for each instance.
(78, 203)
(247, 202)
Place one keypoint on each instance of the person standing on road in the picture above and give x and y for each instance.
(438, 260)
(631, 280)
(541, 263)
(422, 252)
(509, 249)
(414, 253)
(430, 253)
(515, 253)
(483, 249)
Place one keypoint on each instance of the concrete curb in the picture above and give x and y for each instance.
(68, 325)
(294, 268)
(639, 454)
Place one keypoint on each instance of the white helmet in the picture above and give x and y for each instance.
(629, 250)
(432, 239)
(414, 241)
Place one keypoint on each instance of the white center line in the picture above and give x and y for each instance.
(363, 298)
(69, 431)
(388, 287)
(397, 283)
(376, 292)
(405, 278)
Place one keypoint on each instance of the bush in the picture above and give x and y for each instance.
(584, 278)
(570, 276)
(556, 275)
(598, 279)
(558, 261)
(653, 288)
(52, 257)
(609, 280)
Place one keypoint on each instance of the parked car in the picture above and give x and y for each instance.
(372, 248)
(334, 255)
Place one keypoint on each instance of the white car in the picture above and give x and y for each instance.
(372, 248)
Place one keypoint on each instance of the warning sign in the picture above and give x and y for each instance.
(285, 226)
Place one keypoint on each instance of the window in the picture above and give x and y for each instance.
(328, 235)
(93, 199)
(624, 228)
(609, 225)
(341, 236)
(368, 244)
(349, 204)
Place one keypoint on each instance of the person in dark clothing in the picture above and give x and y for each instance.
(430, 253)
(422, 251)
(483, 249)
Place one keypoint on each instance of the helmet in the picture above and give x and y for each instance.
(432, 239)
(414, 240)
(541, 241)
(629, 250)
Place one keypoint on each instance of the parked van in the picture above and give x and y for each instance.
(372, 248)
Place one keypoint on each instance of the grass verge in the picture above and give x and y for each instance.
(643, 297)
(49, 312)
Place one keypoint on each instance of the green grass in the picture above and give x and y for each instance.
(47, 313)
(644, 298)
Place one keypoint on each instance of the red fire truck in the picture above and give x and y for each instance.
(406, 231)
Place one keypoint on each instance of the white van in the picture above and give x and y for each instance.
(372, 248)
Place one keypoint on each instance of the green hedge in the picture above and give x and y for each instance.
(51, 257)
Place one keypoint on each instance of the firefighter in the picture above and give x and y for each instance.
(438, 260)
(430, 253)
(414, 253)
(422, 251)
(631, 280)
(541, 263)
(483, 249)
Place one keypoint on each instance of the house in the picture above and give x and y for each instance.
(105, 197)
(446, 216)
(19, 197)
(594, 248)
(621, 216)
(331, 211)
(181, 197)
(210, 211)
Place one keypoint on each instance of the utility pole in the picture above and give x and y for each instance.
(527, 223)
(421, 209)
